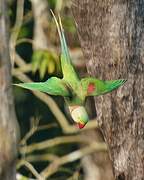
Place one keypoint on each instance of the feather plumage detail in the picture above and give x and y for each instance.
(70, 86)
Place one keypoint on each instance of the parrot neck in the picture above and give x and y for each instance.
(79, 114)
(72, 108)
(74, 100)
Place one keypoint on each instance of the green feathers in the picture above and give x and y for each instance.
(69, 73)
(96, 87)
(53, 86)
(70, 86)
(64, 47)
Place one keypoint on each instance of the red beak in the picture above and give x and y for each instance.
(80, 125)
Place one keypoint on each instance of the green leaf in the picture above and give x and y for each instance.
(24, 32)
(36, 60)
(45, 62)
(51, 67)
(43, 67)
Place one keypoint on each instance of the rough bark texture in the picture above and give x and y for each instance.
(41, 18)
(111, 33)
(8, 124)
(98, 165)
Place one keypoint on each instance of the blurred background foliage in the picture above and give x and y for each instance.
(42, 64)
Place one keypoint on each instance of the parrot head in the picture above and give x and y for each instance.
(79, 115)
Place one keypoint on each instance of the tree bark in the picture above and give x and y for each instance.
(41, 17)
(111, 34)
(8, 123)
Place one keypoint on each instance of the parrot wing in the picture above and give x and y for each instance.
(53, 86)
(68, 70)
(96, 87)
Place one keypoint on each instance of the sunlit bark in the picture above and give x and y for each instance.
(8, 123)
(112, 38)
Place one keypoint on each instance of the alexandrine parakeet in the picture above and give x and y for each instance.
(73, 89)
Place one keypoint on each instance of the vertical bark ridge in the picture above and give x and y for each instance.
(8, 123)
(112, 38)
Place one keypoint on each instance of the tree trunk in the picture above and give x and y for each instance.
(8, 123)
(41, 16)
(112, 39)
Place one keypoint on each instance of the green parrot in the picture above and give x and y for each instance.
(71, 87)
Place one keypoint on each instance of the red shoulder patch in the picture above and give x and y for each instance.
(91, 88)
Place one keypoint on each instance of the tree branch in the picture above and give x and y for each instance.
(16, 29)
(53, 142)
(31, 169)
(53, 167)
